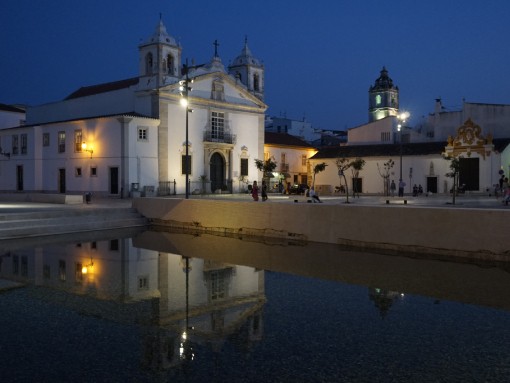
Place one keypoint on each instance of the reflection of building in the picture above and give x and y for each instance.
(180, 302)
(383, 299)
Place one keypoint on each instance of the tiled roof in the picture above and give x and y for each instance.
(102, 88)
(392, 150)
(284, 139)
(127, 114)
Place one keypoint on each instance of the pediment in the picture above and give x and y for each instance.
(469, 139)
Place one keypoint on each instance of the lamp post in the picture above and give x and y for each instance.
(185, 89)
(402, 117)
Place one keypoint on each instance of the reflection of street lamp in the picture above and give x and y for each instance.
(185, 89)
(402, 117)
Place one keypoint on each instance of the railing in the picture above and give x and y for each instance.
(212, 136)
(284, 168)
(167, 188)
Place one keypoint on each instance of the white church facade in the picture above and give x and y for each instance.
(121, 138)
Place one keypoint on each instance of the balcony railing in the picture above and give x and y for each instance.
(226, 138)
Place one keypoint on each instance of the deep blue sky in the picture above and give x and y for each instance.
(320, 56)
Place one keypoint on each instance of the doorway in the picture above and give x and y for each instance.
(217, 172)
(432, 185)
(61, 180)
(469, 173)
(114, 180)
(19, 178)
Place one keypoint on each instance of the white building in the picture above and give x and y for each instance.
(479, 135)
(136, 133)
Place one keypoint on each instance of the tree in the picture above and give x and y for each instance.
(385, 174)
(455, 169)
(356, 167)
(266, 167)
(317, 169)
(343, 164)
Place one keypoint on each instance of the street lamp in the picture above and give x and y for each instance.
(402, 117)
(184, 88)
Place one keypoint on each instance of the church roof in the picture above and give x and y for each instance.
(284, 139)
(102, 88)
(246, 57)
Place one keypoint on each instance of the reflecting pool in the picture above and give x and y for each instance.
(154, 306)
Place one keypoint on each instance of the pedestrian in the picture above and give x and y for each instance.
(393, 187)
(401, 186)
(415, 190)
(255, 191)
(314, 196)
(264, 191)
(420, 189)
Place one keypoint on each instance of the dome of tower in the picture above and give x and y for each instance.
(383, 82)
(246, 57)
(160, 35)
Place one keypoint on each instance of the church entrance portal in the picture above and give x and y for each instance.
(469, 173)
(217, 171)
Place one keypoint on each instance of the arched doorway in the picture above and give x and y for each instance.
(217, 172)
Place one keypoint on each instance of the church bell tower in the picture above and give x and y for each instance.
(249, 71)
(382, 98)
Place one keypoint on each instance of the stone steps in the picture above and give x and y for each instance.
(51, 222)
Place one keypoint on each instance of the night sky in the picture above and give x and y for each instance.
(320, 56)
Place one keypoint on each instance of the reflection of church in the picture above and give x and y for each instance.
(179, 302)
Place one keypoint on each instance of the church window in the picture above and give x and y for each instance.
(218, 125)
(78, 138)
(143, 134)
(378, 99)
(61, 142)
(170, 64)
(244, 167)
(148, 64)
(256, 86)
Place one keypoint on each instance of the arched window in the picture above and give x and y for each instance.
(378, 99)
(170, 64)
(148, 64)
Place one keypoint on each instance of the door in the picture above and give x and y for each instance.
(114, 180)
(61, 180)
(469, 173)
(217, 171)
(19, 178)
(357, 185)
(432, 184)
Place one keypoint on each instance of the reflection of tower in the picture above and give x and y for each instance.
(383, 299)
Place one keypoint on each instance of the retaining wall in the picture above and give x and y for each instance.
(453, 232)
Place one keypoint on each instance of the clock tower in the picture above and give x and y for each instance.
(382, 98)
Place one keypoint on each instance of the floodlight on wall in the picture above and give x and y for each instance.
(86, 269)
(84, 148)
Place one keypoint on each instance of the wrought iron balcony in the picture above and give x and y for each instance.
(223, 137)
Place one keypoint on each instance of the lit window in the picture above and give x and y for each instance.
(378, 99)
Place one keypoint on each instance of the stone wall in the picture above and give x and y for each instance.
(452, 232)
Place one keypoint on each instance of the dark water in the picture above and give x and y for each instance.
(252, 312)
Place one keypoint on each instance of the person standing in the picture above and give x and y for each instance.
(393, 187)
(255, 191)
(264, 191)
(401, 186)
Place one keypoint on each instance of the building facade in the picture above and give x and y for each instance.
(124, 137)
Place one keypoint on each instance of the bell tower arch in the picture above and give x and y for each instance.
(382, 98)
